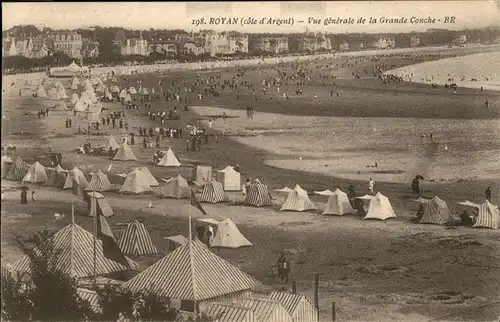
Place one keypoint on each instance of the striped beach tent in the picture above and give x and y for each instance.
(435, 211)
(258, 195)
(297, 305)
(230, 313)
(135, 240)
(149, 177)
(36, 174)
(18, 170)
(169, 160)
(192, 272)
(213, 192)
(176, 188)
(268, 310)
(338, 204)
(229, 236)
(298, 200)
(97, 204)
(124, 153)
(488, 214)
(98, 182)
(57, 177)
(73, 254)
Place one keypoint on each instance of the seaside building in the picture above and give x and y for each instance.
(385, 42)
(68, 42)
(272, 44)
(90, 48)
(134, 46)
(27, 47)
(414, 41)
(319, 42)
(41, 47)
(193, 48)
(168, 48)
(344, 46)
(225, 43)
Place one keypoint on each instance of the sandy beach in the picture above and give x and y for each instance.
(392, 270)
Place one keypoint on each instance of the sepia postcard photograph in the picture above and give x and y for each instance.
(272, 161)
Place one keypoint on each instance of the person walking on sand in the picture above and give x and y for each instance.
(371, 185)
(283, 268)
(487, 193)
(33, 195)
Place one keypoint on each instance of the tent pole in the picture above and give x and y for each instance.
(190, 236)
(94, 210)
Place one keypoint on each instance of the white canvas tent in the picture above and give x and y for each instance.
(169, 160)
(36, 174)
(338, 204)
(230, 179)
(435, 211)
(229, 236)
(176, 188)
(379, 208)
(41, 92)
(326, 192)
(136, 182)
(124, 153)
(98, 205)
(298, 200)
(488, 214)
(150, 178)
(202, 174)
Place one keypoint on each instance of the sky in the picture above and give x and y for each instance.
(180, 15)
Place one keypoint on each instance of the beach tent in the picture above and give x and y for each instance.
(87, 85)
(488, 214)
(169, 160)
(229, 236)
(297, 305)
(76, 181)
(136, 182)
(61, 93)
(149, 177)
(123, 93)
(75, 83)
(73, 67)
(18, 170)
(41, 92)
(266, 310)
(6, 165)
(231, 313)
(258, 195)
(36, 174)
(326, 192)
(74, 255)
(213, 192)
(132, 90)
(202, 174)
(124, 153)
(135, 240)
(79, 107)
(116, 89)
(57, 177)
(98, 182)
(176, 188)
(435, 211)
(192, 273)
(379, 208)
(230, 179)
(298, 200)
(338, 204)
(112, 143)
(127, 98)
(98, 204)
(74, 98)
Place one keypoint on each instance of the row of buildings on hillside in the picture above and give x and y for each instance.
(207, 43)
(69, 42)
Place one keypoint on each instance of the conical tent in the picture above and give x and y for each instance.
(74, 255)
(169, 160)
(123, 93)
(136, 182)
(18, 170)
(127, 98)
(6, 165)
(149, 177)
(61, 106)
(79, 107)
(202, 174)
(132, 90)
(61, 93)
(436, 212)
(77, 182)
(99, 182)
(125, 153)
(338, 204)
(380, 207)
(112, 143)
(74, 98)
(176, 188)
(229, 236)
(258, 195)
(57, 177)
(230, 179)
(36, 174)
(213, 192)
(98, 204)
(298, 200)
(74, 83)
(41, 92)
(135, 240)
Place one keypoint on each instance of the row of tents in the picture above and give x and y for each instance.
(140, 180)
